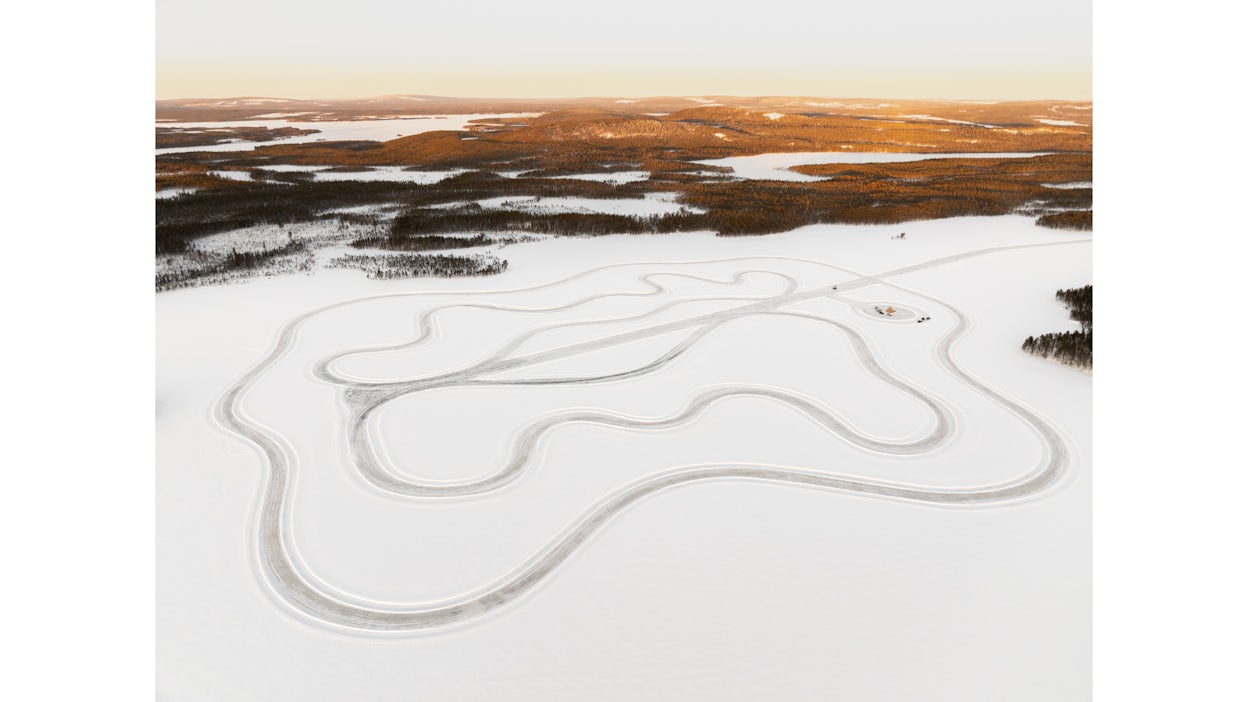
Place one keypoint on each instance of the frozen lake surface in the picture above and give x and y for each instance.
(691, 351)
(776, 166)
(649, 205)
(338, 130)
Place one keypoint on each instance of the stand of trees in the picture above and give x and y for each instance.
(430, 242)
(421, 265)
(1080, 220)
(1073, 348)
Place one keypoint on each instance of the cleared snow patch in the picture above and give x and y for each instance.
(1060, 122)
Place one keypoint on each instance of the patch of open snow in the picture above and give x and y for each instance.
(1060, 122)
(773, 115)
(1069, 186)
(625, 101)
(720, 135)
(231, 175)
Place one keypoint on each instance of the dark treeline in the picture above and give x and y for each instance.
(168, 137)
(180, 220)
(1072, 347)
(473, 218)
(1079, 302)
(195, 267)
(254, 259)
(1078, 220)
(858, 195)
(422, 243)
(871, 196)
(421, 265)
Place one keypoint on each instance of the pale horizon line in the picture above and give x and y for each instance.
(629, 96)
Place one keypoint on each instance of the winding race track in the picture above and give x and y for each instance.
(364, 396)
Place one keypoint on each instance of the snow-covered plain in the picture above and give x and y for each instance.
(776, 166)
(730, 589)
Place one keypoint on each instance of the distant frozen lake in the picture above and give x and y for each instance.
(776, 166)
(341, 130)
(394, 174)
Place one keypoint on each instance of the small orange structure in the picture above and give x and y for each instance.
(890, 310)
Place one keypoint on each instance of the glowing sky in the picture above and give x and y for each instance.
(540, 48)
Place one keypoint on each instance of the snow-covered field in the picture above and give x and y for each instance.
(916, 576)
(776, 166)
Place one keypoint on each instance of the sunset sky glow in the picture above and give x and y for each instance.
(969, 49)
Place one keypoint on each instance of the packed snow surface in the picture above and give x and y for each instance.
(776, 166)
(431, 439)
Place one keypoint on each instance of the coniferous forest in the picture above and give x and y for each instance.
(1073, 348)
